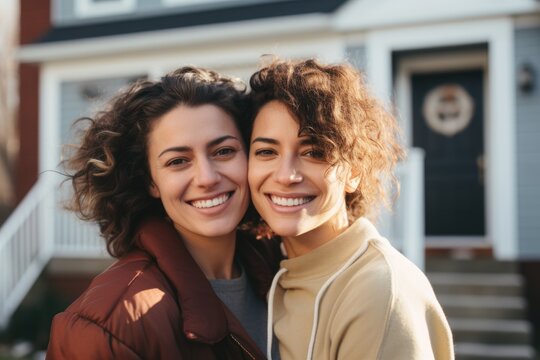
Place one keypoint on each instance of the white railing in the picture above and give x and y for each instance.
(404, 226)
(22, 254)
(37, 230)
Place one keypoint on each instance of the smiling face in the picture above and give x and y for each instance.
(299, 195)
(198, 166)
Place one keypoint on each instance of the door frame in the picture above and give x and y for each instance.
(498, 34)
(438, 62)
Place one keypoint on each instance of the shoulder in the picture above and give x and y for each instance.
(415, 325)
(122, 294)
(407, 280)
(380, 278)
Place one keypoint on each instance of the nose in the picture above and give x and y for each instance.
(287, 173)
(207, 174)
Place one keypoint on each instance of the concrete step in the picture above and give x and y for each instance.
(483, 306)
(488, 331)
(477, 351)
(436, 264)
(476, 283)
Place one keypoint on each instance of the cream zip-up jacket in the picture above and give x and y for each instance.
(356, 297)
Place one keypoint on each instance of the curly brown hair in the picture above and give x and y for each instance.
(109, 169)
(333, 106)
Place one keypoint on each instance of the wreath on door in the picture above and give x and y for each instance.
(448, 109)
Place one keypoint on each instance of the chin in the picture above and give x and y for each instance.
(285, 230)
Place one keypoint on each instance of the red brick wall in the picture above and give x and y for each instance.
(26, 171)
(35, 21)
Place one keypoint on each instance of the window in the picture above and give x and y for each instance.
(91, 8)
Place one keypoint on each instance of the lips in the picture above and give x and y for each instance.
(290, 201)
(211, 202)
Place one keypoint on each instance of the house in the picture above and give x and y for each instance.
(462, 75)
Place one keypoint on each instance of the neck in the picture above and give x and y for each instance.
(215, 255)
(304, 243)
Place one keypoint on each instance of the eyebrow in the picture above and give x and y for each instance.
(265, 140)
(307, 141)
(212, 143)
(303, 141)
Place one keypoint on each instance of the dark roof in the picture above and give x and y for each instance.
(185, 19)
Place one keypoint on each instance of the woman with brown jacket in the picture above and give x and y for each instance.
(163, 171)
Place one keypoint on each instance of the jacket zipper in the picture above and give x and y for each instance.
(242, 346)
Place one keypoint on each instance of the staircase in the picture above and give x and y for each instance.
(487, 312)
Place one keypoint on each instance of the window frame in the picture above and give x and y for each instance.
(90, 8)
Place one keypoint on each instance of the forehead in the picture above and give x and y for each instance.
(275, 118)
(189, 126)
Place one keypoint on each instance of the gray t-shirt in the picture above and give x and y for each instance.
(240, 298)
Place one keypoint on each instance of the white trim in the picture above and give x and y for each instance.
(90, 8)
(56, 12)
(370, 14)
(229, 34)
(51, 78)
(501, 210)
(443, 61)
(429, 63)
(49, 121)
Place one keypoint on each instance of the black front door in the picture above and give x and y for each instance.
(448, 123)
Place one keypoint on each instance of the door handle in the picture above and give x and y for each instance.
(481, 167)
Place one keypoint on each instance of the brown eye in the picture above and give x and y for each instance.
(177, 162)
(225, 152)
(264, 152)
(315, 154)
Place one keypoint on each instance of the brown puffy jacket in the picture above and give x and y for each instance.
(157, 304)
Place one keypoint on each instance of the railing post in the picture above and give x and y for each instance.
(414, 231)
(47, 217)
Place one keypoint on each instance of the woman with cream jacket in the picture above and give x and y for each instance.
(322, 153)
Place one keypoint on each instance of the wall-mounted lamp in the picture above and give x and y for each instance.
(526, 78)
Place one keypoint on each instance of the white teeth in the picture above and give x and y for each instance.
(203, 204)
(282, 201)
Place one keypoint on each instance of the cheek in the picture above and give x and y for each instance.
(335, 175)
(173, 184)
(239, 170)
(254, 176)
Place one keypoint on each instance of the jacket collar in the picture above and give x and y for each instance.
(204, 316)
(206, 319)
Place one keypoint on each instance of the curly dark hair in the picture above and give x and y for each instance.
(109, 169)
(333, 106)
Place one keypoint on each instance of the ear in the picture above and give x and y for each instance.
(353, 180)
(154, 191)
